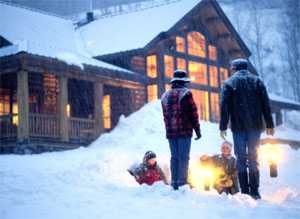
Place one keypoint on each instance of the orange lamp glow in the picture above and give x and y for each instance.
(202, 177)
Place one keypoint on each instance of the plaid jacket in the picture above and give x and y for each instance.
(180, 113)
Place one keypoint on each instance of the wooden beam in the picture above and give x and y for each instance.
(233, 51)
(23, 105)
(223, 36)
(213, 19)
(98, 97)
(63, 102)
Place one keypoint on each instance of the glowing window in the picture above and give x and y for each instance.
(152, 92)
(198, 72)
(169, 66)
(212, 51)
(223, 75)
(215, 106)
(180, 44)
(181, 64)
(68, 109)
(213, 70)
(4, 105)
(202, 102)
(15, 114)
(106, 112)
(196, 44)
(152, 66)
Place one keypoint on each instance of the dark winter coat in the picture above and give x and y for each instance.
(180, 112)
(228, 170)
(245, 103)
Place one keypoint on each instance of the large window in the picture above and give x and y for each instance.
(106, 112)
(180, 44)
(198, 72)
(196, 44)
(4, 102)
(181, 64)
(215, 106)
(152, 92)
(223, 75)
(152, 66)
(213, 70)
(212, 51)
(201, 100)
(5, 106)
(169, 66)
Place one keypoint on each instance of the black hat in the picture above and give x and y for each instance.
(239, 64)
(149, 155)
(180, 75)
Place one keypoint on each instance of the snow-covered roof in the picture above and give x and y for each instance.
(45, 35)
(278, 98)
(134, 30)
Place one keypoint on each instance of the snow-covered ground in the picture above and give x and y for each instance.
(93, 182)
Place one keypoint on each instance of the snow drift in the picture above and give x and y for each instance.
(93, 182)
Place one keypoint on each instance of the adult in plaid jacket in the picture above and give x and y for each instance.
(181, 118)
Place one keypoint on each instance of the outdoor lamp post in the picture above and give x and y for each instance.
(273, 154)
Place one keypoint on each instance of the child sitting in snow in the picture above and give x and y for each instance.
(225, 165)
(148, 171)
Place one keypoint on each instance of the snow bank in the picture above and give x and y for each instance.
(93, 183)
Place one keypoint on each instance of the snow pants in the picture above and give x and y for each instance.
(245, 149)
(180, 155)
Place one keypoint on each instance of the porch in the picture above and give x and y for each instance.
(60, 110)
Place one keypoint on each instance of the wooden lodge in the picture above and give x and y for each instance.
(49, 104)
(68, 106)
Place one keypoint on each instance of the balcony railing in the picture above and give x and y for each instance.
(44, 125)
(48, 126)
(81, 129)
(7, 127)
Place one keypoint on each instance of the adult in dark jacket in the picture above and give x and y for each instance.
(148, 172)
(181, 118)
(245, 103)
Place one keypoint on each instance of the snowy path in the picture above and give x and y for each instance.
(93, 182)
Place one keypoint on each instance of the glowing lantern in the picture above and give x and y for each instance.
(273, 155)
(202, 177)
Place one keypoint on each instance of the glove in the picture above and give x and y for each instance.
(198, 134)
(270, 131)
(223, 134)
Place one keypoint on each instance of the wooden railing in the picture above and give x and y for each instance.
(44, 125)
(7, 128)
(81, 129)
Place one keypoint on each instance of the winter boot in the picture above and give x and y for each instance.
(243, 181)
(254, 185)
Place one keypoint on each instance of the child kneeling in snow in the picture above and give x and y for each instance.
(148, 172)
(225, 166)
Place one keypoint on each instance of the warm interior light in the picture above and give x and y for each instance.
(68, 109)
(271, 153)
(106, 110)
(15, 112)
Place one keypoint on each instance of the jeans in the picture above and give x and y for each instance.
(180, 155)
(245, 148)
